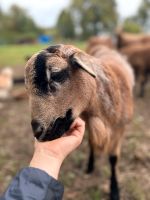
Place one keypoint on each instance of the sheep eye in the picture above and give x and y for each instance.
(56, 76)
(61, 76)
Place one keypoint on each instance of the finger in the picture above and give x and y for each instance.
(71, 138)
(78, 127)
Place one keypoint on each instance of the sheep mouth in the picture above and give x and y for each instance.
(57, 128)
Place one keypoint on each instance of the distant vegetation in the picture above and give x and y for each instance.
(84, 18)
(16, 25)
(80, 20)
(140, 21)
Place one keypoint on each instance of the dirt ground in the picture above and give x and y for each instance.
(16, 147)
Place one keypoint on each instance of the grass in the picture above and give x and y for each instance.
(14, 55)
(68, 178)
(134, 190)
(94, 193)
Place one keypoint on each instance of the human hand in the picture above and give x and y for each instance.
(48, 156)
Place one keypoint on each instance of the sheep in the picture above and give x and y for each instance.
(99, 40)
(64, 82)
(6, 82)
(138, 57)
(127, 39)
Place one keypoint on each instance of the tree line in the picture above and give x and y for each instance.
(16, 25)
(80, 20)
(84, 18)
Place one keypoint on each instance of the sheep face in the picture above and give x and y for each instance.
(58, 89)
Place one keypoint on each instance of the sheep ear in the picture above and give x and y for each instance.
(80, 59)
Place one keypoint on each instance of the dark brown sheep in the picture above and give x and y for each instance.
(139, 57)
(127, 39)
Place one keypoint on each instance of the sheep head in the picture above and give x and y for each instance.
(58, 81)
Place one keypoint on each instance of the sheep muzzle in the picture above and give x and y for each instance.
(57, 128)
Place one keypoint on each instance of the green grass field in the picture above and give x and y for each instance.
(14, 55)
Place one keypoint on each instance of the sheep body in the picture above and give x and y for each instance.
(115, 82)
(138, 57)
(99, 40)
(113, 97)
(127, 39)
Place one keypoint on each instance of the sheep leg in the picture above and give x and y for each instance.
(91, 160)
(114, 188)
(114, 152)
(97, 139)
(143, 83)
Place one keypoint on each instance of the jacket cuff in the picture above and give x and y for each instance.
(54, 187)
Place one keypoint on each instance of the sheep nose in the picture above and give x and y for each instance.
(37, 128)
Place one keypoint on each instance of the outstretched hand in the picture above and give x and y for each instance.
(49, 156)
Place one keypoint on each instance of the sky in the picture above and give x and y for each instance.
(45, 12)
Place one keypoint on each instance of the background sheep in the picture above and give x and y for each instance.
(99, 40)
(127, 39)
(6, 82)
(138, 56)
(63, 82)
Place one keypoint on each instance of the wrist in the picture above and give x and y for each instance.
(46, 162)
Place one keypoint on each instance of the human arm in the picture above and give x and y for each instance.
(39, 180)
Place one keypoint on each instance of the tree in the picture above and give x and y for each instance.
(131, 26)
(94, 16)
(87, 18)
(65, 25)
(1, 19)
(20, 21)
(143, 14)
(17, 25)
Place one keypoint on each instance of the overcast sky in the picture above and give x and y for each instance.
(45, 12)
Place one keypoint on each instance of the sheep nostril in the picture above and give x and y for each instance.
(37, 128)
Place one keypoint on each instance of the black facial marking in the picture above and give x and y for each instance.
(61, 76)
(60, 126)
(53, 49)
(40, 79)
(58, 77)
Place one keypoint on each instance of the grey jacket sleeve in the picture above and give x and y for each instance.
(33, 184)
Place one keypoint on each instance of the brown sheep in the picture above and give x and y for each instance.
(64, 82)
(127, 39)
(139, 57)
(99, 40)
